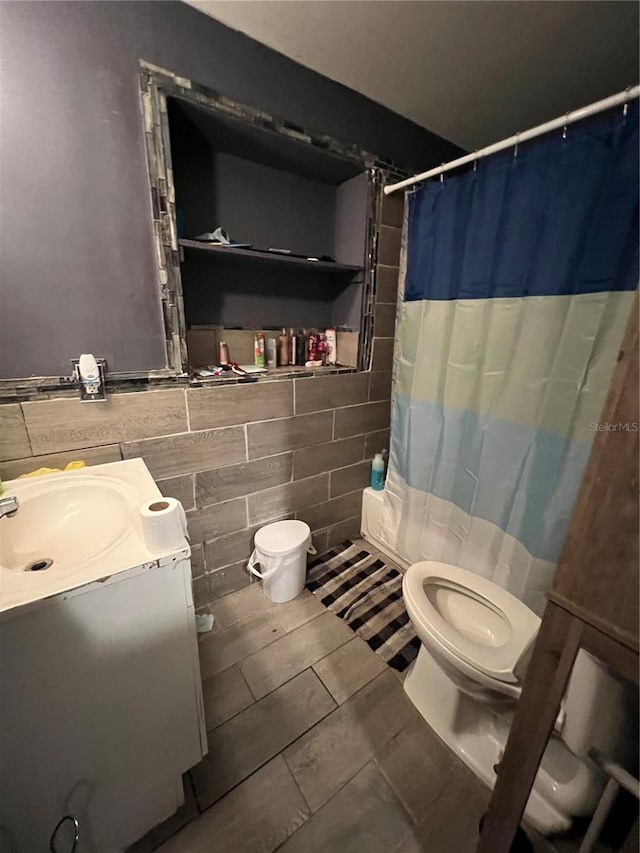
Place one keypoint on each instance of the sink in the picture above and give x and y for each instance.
(66, 520)
(75, 528)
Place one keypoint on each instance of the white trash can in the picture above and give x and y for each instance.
(279, 559)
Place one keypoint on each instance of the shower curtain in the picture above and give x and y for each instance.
(517, 279)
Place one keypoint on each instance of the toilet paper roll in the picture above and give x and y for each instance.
(164, 525)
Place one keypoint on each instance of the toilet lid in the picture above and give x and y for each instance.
(517, 623)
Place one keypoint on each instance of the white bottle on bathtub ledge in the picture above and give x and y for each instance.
(377, 472)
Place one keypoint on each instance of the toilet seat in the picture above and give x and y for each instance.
(494, 653)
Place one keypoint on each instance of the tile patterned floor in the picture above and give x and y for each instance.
(313, 746)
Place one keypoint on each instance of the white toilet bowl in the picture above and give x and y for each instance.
(476, 640)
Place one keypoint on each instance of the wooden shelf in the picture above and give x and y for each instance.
(249, 255)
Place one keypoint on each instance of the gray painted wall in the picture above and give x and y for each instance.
(77, 257)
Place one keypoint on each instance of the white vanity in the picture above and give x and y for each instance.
(100, 697)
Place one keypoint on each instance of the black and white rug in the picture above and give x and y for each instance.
(367, 593)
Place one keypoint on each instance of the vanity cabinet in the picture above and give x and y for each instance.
(101, 710)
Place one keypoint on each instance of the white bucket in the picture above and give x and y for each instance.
(280, 552)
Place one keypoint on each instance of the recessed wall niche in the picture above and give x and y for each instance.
(301, 215)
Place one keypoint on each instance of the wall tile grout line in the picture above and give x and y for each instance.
(26, 429)
(280, 753)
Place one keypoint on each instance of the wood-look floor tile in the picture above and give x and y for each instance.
(224, 648)
(247, 602)
(452, 822)
(333, 751)
(240, 605)
(256, 817)
(269, 668)
(225, 695)
(304, 608)
(418, 766)
(348, 668)
(247, 741)
(364, 815)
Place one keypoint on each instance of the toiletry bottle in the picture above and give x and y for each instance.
(223, 353)
(377, 472)
(331, 346)
(301, 343)
(259, 349)
(292, 346)
(283, 349)
(321, 349)
(272, 353)
(313, 339)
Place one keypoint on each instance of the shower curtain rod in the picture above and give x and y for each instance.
(569, 118)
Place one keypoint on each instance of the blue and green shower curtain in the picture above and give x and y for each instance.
(516, 284)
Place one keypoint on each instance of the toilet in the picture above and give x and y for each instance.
(476, 640)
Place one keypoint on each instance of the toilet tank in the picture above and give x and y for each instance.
(601, 712)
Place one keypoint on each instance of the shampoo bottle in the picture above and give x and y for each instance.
(272, 353)
(331, 346)
(377, 472)
(283, 349)
(259, 349)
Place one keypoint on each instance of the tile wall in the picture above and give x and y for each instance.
(237, 457)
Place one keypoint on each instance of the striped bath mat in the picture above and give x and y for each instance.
(367, 594)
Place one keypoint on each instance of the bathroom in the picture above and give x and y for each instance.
(184, 187)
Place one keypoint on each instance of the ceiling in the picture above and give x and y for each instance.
(471, 71)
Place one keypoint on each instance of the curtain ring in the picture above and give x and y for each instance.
(564, 129)
(475, 162)
(515, 150)
(625, 108)
(442, 174)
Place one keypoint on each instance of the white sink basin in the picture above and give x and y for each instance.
(75, 528)
(66, 520)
